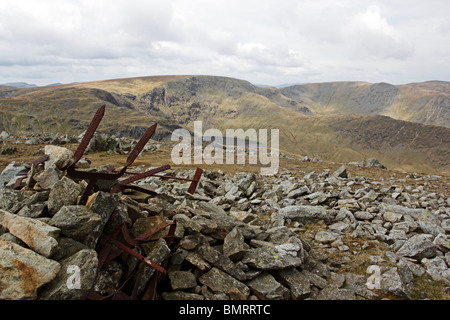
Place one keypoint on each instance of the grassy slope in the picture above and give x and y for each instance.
(331, 133)
(427, 103)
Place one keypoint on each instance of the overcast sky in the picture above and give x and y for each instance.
(263, 41)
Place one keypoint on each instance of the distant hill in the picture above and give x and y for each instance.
(19, 85)
(406, 127)
(427, 103)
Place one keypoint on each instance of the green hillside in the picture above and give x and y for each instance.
(342, 121)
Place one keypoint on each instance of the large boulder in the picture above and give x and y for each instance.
(265, 287)
(374, 163)
(23, 272)
(75, 279)
(234, 246)
(64, 192)
(304, 214)
(219, 281)
(59, 157)
(275, 257)
(77, 222)
(341, 172)
(418, 247)
(38, 235)
(398, 281)
(298, 284)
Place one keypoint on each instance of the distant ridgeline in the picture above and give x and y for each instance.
(406, 127)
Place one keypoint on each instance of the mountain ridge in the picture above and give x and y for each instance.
(19, 85)
(335, 121)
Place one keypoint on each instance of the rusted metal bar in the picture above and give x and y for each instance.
(195, 180)
(103, 256)
(89, 134)
(146, 174)
(171, 234)
(107, 254)
(120, 295)
(18, 183)
(140, 145)
(125, 183)
(135, 254)
(112, 240)
(93, 177)
(127, 236)
(150, 293)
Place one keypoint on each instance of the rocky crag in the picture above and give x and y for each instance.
(296, 235)
(405, 127)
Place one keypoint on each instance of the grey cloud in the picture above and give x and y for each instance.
(259, 40)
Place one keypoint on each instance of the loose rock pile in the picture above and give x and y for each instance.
(291, 236)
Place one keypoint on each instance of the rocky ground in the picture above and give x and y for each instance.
(321, 234)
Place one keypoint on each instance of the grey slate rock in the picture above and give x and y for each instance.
(436, 268)
(181, 295)
(298, 284)
(64, 286)
(314, 279)
(234, 246)
(67, 247)
(59, 157)
(294, 194)
(225, 223)
(398, 281)
(103, 204)
(64, 192)
(341, 172)
(219, 260)
(13, 200)
(326, 236)
(274, 258)
(374, 163)
(305, 214)
(47, 178)
(418, 247)
(180, 280)
(220, 282)
(265, 287)
(333, 293)
(77, 222)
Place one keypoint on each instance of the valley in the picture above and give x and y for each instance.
(406, 127)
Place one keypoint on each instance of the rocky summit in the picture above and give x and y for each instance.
(327, 235)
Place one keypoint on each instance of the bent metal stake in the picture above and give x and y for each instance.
(93, 177)
(107, 253)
